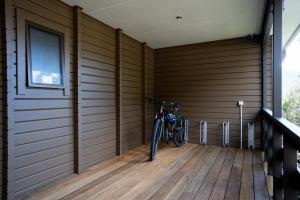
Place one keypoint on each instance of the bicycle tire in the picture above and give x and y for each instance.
(178, 136)
(157, 128)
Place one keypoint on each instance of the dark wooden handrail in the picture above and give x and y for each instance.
(281, 141)
(290, 130)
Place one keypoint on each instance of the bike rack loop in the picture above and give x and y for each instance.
(226, 134)
(186, 131)
(203, 132)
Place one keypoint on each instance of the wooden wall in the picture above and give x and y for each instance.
(43, 117)
(209, 79)
(268, 92)
(55, 132)
(97, 92)
(131, 127)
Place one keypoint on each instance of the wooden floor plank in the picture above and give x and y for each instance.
(233, 187)
(191, 190)
(210, 180)
(189, 172)
(71, 184)
(91, 187)
(246, 192)
(109, 190)
(156, 184)
(221, 184)
(182, 177)
(152, 173)
(260, 184)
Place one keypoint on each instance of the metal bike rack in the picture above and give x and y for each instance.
(226, 134)
(203, 132)
(186, 131)
(251, 144)
(241, 104)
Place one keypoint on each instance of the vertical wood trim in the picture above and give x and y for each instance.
(21, 58)
(143, 93)
(277, 71)
(118, 92)
(77, 94)
(8, 98)
(67, 62)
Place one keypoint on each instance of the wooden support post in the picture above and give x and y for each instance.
(289, 170)
(277, 97)
(118, 92)
(77, 11)
(9, 92)
(143, 92)
(277, 49)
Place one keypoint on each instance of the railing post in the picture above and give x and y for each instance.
(277, 49)
(265, 138)
(285, 143)
(270, 147)
(277, 164)
(289, 170)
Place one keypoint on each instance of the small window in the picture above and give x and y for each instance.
(44, 57)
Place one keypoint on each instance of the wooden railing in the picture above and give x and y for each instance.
(281, 142)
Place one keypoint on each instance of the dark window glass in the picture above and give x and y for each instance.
(45, 57)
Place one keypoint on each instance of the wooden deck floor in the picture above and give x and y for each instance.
(189, 172)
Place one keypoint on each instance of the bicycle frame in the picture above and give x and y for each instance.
(165, 130)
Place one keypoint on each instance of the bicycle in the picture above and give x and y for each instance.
(168, 124)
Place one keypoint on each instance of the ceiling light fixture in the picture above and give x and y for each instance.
(179, 18)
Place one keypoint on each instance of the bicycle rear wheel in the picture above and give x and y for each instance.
(157, 128)
(178, 136)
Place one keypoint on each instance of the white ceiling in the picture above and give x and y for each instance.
(154, 21)
(291, 19)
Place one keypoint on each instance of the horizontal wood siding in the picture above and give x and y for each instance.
(209, 79)
(268, 93)
(44, 117)
(98, 127)
(149, 91)
(131, 102)
(44, 145)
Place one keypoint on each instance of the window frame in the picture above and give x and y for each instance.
(22, 88)
(30, 83)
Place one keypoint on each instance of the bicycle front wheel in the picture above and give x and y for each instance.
(157, 128)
